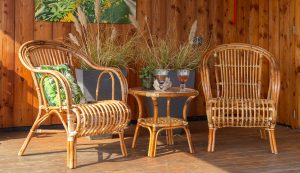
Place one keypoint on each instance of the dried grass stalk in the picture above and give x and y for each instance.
(193, 32)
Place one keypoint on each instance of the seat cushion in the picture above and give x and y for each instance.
(50, 89)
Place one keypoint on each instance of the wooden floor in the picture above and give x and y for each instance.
(237, 150)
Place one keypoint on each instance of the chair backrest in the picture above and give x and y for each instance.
(238, 70)
(37, 53)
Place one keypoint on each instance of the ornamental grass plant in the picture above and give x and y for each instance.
(100, 47)
(167, 53)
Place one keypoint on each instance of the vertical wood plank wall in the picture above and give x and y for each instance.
(271, 24)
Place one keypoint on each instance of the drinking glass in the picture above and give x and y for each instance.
(183, 76)
(161, 75)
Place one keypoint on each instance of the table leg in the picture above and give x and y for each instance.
(152, 144)
(189, 138)
(139, 101)
(169, 132)
(169, 136)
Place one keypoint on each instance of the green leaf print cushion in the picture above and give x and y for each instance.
(50, 89)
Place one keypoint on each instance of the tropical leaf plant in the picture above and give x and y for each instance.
(113, 11)
(53, 10)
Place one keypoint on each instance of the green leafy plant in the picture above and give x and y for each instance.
(147, 77)
(97, 46)
(146, 72)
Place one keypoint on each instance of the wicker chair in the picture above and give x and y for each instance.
(100, 117)
(237, 100)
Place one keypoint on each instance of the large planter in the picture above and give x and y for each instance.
(87, 81)
(176, 103)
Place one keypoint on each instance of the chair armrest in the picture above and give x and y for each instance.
(205, 79)
(117, 72)
(274, 86)
(122, 79)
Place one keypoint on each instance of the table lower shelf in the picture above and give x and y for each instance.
(163, 122)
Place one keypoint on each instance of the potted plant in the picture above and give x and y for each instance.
(146, 75)
(103, 50)
(179, 60)
(157, 56)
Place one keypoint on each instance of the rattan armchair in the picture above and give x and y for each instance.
(99, 117)
(236, 100)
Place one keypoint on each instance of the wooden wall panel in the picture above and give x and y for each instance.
(286, 62)
(159, 18)
(242, 21)
(296, 122)
(229, 27)
(254, 22)
(42, 31)
(267, 23)
(23, 85)
(202, 14)
(7, 36)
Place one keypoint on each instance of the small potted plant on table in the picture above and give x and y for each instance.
(146, 75)
(176, 60)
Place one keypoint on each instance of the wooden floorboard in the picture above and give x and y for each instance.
(237, 150)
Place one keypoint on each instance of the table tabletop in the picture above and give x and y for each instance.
(171, 92)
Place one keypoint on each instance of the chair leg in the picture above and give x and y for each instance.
(26, 142)
(211, 139)
(189, 138)
(273, 141)
(30, 134)
(136, 133)
(122, 143)
(71, 152)
(263, 133)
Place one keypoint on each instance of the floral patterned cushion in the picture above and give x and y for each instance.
(50, 89)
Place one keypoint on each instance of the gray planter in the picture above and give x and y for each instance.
(176, 103)
(87, 81)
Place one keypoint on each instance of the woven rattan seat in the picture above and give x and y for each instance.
(94, 120)
(259, 113)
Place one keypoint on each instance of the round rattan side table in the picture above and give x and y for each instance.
(157, 123)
